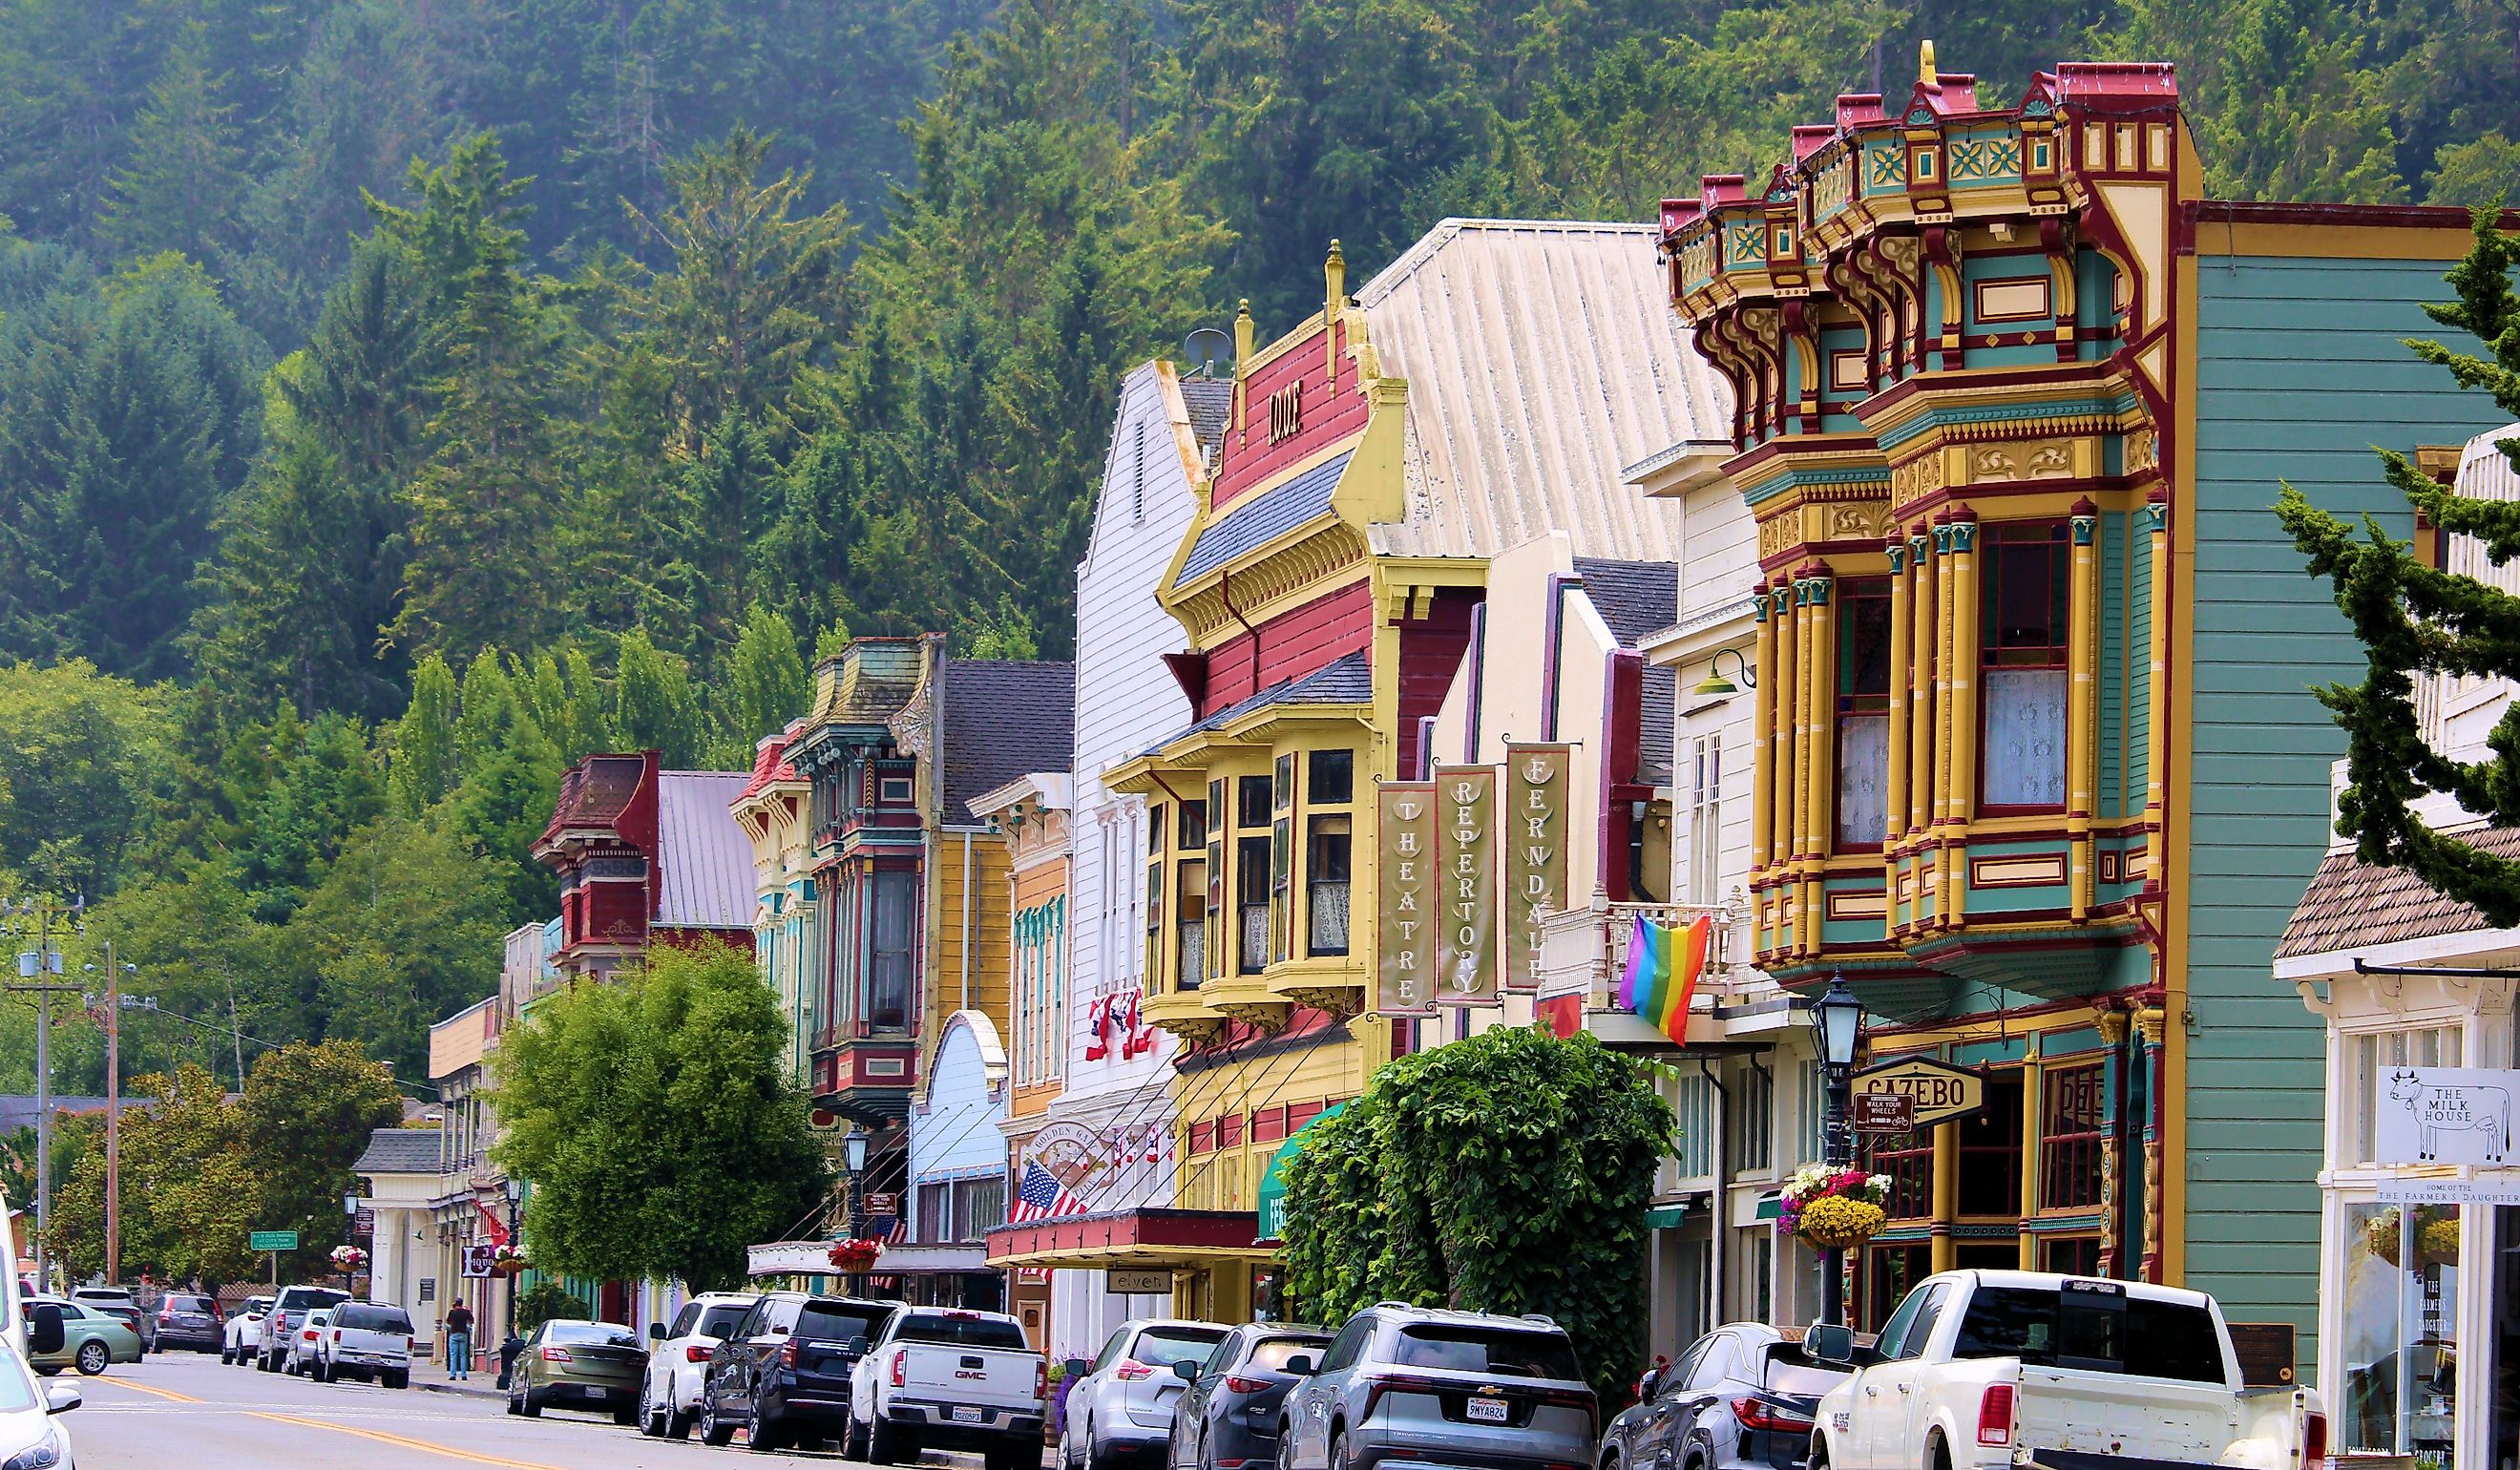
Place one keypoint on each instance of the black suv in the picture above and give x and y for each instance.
(783, 1376)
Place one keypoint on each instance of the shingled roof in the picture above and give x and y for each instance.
(1635, 597)
(1003, 718)
(2353, 905)
(401, 1150)
(1210, 401)
(1346, 680)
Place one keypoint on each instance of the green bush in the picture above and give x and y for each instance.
(548, 1300)
(1509, 1172)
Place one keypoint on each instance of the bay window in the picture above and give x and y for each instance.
(1330, 834)
(1862, 712)
(2024, 620)
(893, 950)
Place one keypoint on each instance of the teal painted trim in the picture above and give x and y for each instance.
(1885, 169)
(2067, 1042)
(2110, 744)
(2022, 413)
(1980, 1054)
(1791, 477)
(2021, 899)
(1906, 1234)
(1982, 160)
(2061, 1225)
(2139, 656)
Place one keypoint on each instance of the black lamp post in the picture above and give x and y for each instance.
(853, 1150)
(515, 1189)
(1837, 1024)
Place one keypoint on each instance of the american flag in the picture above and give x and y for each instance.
(1043, 1197)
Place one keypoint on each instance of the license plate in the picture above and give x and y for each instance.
(966, 1414)
(1486, 1411)
(597, 1392)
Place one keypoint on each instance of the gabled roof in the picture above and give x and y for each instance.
(1637, 598)
(703, 862)
(2353, 905)
(401, 1150)
(1346, 680)
(1210, 401)
(1003, 718)
(770, 765)
(1542, 358)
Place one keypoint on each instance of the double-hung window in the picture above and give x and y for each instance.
(2021, 659)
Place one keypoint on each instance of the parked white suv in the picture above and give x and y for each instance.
(678, 1361)
(1122, 1409)
(369, 1341)
(241, 1340)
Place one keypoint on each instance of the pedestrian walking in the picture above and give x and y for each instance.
(459, 1341)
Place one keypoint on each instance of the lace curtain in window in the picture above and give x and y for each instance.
(2025, 738)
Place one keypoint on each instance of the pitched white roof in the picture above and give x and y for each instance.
(703, 860)
(1542, 358)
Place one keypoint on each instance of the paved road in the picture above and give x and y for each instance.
(185, 1411)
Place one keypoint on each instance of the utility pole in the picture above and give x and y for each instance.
(112, 1119)
(35, 918)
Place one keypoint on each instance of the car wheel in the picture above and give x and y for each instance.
(677, 1425)
(93, 1358)
(648, 1423)
(853, 1441)
(883, 1444)
(715, 1432)
(1338, 1451)
(515, 1405)
(533, 1406)
(760, 1432)
(226, 1356)
(399, 1379)
(320, 1373)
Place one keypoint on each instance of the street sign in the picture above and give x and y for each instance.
(1142, 1283)
(479, 1259)
(271, 1241)
(1938, 1092)
(1884, 1113)
(2443, 1115)
(883, 1204)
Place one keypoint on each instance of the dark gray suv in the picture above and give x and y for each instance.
(1430, 1387)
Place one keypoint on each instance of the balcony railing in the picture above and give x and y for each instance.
(1589, 948)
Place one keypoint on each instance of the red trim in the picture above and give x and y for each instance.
(1145, 1230)
(2194, 212)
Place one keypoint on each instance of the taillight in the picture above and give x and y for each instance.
(1041, 1379)
(1759, 1414)
(307, 1336)
(336, 1334)
(411, 1345)
(1131, 1370)
(788, 1353)
(1235, 1382)
(900, 1361)
(558, 1354)
(1994, 1414)
(165, 1313)
(695, 1353)
(2314, 1441)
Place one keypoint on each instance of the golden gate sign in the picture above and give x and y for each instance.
(1942, 1093)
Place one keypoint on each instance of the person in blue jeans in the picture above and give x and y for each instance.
(459, 1341)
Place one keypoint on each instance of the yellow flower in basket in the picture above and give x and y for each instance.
(1834, 1221)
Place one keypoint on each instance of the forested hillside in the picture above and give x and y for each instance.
(401, 397)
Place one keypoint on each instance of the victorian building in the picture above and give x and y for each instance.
(646, 856)
(2035, 764)
(771, 808)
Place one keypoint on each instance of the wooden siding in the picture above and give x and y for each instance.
(1332, 410)
(1430, 652)
(1290, 645)
(2300, 371)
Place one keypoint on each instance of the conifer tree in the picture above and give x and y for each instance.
(2418, 621)
(653, 705)
(185, 177)
(767, 685)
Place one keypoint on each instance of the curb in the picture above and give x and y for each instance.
(441, 1386)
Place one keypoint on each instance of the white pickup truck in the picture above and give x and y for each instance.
(1985, 1368)
(938, 1378)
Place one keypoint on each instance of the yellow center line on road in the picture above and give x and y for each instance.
(378, 1434)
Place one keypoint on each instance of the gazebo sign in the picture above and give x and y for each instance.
(1939, 1091)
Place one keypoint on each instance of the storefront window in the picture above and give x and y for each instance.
(1893, 1271)
(2074, 1128)
(2368, 1059)
(2385, 1295)
(1990, 1160)
(1909, 1160)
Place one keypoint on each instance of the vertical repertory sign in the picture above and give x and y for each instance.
(1465, 847)
(1535, 852)
(1405, 937)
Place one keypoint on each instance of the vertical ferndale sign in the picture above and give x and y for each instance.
(1465, 836)
(1406, 900)
(1535, 852)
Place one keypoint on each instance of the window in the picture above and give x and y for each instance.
(2095, 1328)
(1326, 897)
(962, 1330)
(1705, 813)
(1281, 860)
(1251, 903)
(1862, 712)
(935, 1212)
(2023, 633)
(2070, 1255)
(1154, 897)
(896, 905)
(1162, 1346)
(1251, 804)
(1194, 825)
(1991, 1151)
(1909, 1160)
(837, 1321)
(1333, 777)
(2073, 1131)
(2369, 1056)
(1752, 1121)
(1921, 1329)
(979, 1206)
(1347, 1345)
(719, 1322)
(1191, 892)
(1502, 1352)
(1895, 1272)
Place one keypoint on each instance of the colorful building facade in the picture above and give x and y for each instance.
(772, 810)
(1032, 814)
(2036, 765)
(646, 856)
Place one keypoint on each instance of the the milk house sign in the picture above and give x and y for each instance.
(2444, 1115)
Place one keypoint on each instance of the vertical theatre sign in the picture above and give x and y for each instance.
(1406, 899)
(1535, 852)
(1465, 798)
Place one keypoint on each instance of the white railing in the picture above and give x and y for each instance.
(1588, 948)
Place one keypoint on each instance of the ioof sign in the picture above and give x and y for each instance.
(1938, 1092)
(1884, 1113)
(2444, 1115)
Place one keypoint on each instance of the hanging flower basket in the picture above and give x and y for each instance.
(855, 1256)
(1834, 1209)
(2436, 1235)
(508, 1261)
(348, 1258)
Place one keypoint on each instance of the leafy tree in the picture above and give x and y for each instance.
(83, 756)
(654, 707)
(194, 934)
(548, 1300)
(657, 1123)
(325, 784)
(425, 761)
(191, 1191)
(2486, 171)
(306, 1114)
(404, 928)
(1509, 1172)
(767, 685)
(2419, 621)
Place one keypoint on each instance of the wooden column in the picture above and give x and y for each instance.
(1807, 619)
(1894, 821)
(1947, 1195)
(1780, 738)
(1946, 596)
(1962, 681)
(1819, 784)
(1763, 724)
(2082, 706)
(2156, 746)
(1920, 675)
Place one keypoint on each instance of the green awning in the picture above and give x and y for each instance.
(1772, 1205)
(1665, 1217)
(1271, 1198)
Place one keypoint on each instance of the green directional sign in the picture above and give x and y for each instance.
(271, 1241)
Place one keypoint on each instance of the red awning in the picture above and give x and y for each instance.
(1147, 1237)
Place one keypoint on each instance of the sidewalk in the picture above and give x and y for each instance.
(432, 1376)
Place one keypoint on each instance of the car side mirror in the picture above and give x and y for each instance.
(856, 1346)
(62, 1398)
(1186, 1370)
(1830, 1343)
(1301, 1365)
(1076, 1367)
(655, 1332)
(44, 1330)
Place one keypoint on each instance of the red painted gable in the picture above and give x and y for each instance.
(1333, 411)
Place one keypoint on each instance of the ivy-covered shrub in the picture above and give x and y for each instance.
(1507, 1172)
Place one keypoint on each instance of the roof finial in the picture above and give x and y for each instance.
(1925, 72)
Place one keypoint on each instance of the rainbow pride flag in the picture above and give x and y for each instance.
(1663, 966)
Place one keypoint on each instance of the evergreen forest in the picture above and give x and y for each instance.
(400, 398)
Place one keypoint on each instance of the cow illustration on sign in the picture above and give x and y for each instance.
(2442, 1108)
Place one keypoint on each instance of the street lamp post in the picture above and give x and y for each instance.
(853, 1151)
(515, 1189)
(1837, 1024)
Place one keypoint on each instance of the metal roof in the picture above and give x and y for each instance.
(1542, 359)
(703, 860)
(1265, 517)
